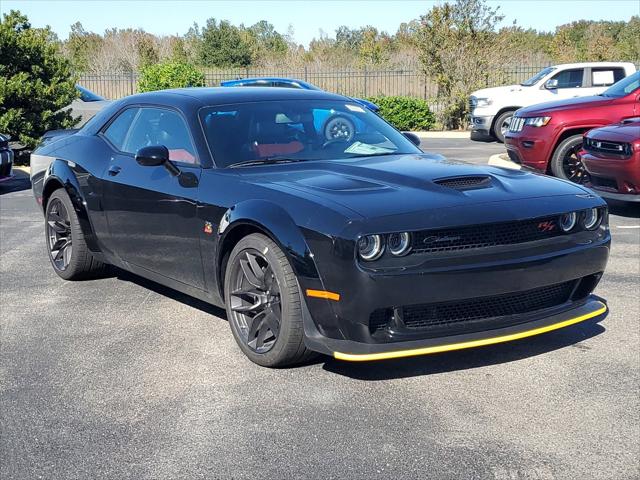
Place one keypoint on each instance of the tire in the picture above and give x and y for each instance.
(68, 252)
(254, 304)
(502, 120)
(339, 127)
(565, 162)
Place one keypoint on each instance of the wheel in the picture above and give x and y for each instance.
(68, 251)
(501, 125)
(339, 127)
(263, 303)
(565, 161)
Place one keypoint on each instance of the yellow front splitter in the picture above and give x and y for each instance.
(365, 357)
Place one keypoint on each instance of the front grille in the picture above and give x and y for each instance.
(487, 235)
(516, 125)
(472, 104)
(604, 182)
(464, 183)
(608, 148)
(446, 313)
(475, 314)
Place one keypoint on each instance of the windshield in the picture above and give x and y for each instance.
(88, 95)
(624, 86)
(536, 78)
(298, 130)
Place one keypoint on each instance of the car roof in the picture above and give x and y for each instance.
(596, 64)
(206, 96)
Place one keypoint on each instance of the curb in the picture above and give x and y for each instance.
(502, 160)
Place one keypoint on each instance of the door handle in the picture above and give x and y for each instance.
(114, 170)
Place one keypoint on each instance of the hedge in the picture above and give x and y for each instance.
(405, 113)
(170, 75)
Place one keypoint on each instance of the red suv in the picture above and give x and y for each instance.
(548, 136)
(611, 155)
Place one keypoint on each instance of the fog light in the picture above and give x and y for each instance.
(370, 247)
(591, 219)
(568, 221)
(399, 243)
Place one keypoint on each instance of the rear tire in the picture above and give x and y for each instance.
(565, 162)
(501, 125)
(263, 304)
(68, 251)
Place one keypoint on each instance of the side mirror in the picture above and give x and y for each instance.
(413, 138)
(551, 84)
(154, 156)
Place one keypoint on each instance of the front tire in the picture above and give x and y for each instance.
(68, 251)
(566, 163)
(501, 125)
(263, 303)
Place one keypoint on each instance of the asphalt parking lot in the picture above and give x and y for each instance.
(122, 378)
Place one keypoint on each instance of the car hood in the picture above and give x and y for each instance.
(566, 104)
(400, 184)
(494, 92)
(628, 131)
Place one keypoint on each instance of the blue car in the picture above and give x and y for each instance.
(287, 83)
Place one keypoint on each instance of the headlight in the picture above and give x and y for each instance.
(537, 121)
(591, 218)
(399, 243)
(370, 247)
(483, 102)
(568, 221)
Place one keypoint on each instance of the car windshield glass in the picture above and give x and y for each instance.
(624, 86)
(300, 130)
(536, 78)
(88, 95)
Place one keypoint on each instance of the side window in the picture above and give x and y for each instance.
(157, 126)
(116, 133)
(603, 77)
(570, 78)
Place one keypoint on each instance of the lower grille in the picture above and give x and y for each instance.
(463, 316)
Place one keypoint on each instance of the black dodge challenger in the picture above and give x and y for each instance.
(317, 225)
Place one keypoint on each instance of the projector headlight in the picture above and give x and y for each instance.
(537, 121)
(399, 243)
(568, 221)
(591, 218)
(370, 247)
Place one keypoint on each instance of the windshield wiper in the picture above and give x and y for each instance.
(265, 161)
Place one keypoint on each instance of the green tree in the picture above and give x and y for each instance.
(169, 75)
(35, 81)
(223, 45)
(81, 46)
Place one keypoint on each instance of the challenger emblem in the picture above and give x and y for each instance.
(435, 239)
(208, 228)
(548, 226)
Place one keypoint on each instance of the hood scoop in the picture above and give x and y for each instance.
(465, 182)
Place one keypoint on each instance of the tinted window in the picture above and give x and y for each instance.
(603, 77)
(570, 78)
(300, 130)
(624, 86)
(286, 84)
(536, 78)
(157, 126)
(117, 131)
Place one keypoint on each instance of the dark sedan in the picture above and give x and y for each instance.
(349, 242)
(6, 158)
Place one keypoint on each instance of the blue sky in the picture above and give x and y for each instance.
(307, 17)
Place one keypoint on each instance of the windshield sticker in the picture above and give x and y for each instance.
(360, 148)
(355, 108)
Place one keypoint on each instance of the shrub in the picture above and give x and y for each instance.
(169, 75)
(35, 81)
(405, 113)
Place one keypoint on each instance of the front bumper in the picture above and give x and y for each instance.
(614, 178)
(529, 148)
(481, 124)
(6, 164)
(348, 350)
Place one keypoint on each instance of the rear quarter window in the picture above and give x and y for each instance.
(116, 132)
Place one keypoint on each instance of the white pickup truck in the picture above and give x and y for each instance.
(492, 108)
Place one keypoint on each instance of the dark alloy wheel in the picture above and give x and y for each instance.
(566, 162)
(263, 303)
(255, 301)
(59, 234)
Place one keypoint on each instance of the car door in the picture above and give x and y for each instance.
(151, 214)
(570, 83)
(601, 78)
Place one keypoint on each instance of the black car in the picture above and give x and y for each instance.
(6, 158)
(318, 226)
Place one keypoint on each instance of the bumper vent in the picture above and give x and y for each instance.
(488, 235)
(464, 183)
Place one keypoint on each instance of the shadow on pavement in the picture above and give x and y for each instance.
(568, 337)
(19, 182)
(624, 209)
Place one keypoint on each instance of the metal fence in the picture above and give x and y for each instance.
(353, 82)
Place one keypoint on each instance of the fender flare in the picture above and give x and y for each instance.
(276, 223)
(60, 175)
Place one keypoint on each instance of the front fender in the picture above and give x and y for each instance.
(60, 174)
